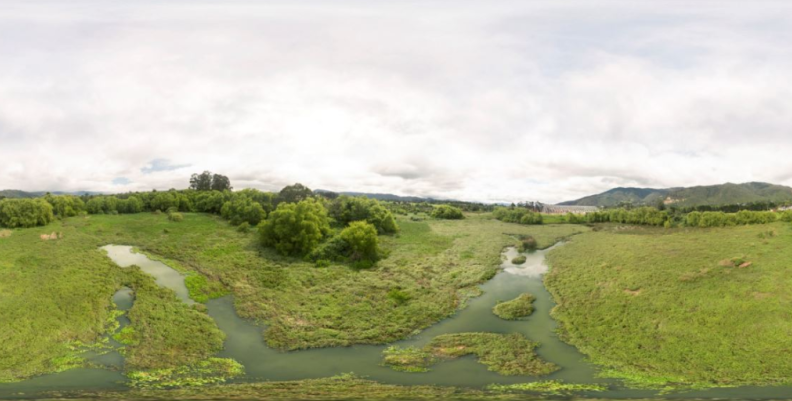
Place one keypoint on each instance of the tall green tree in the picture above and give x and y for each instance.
(295, 228)
(201, 182)
(294, 193)
(220, 183)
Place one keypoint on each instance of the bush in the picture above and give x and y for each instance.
(346, 209)
(519, 260)
(25, 213)
(517, 215)
(243, 227)
(447, 212)
(531, 218)
(295, 228)
(528, 244)
(176, 217)
(361, 238)
(243, 209)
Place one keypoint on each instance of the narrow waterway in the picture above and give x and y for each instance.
(244, 343)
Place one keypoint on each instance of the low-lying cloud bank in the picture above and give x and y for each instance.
(465, 99)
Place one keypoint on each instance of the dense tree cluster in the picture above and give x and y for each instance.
(447, 212)
(517, 215)
(296, 228)
(25, 213)
(65, 205)
(243, 209)
(346, 209)
(293, 194)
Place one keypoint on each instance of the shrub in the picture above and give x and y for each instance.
(346, 209)
(243, 227)
(528, 244)
(531, 218)
(295, 228)
(518, 260)
(242, 209)
(176, 217)
(447, 212)
(361, 238)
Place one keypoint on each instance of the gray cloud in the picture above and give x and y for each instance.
(493, 101)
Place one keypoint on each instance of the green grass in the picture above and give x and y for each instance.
(164, 331)
(409, 359)
(521, 306)
(342, 387)
(52, 294)
(55, 303)
(554, 387)
(666, 307)
(506, 354)
(518, 260)
(57, 293)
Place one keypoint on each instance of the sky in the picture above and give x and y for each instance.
(493, 101)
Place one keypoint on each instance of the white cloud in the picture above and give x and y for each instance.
(458, 99)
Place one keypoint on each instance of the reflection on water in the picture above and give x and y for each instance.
(164, 275)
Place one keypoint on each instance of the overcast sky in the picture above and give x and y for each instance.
(476, 100)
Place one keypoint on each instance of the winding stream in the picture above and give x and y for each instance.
(244, 342)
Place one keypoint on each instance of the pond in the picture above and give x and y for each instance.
(244, 342)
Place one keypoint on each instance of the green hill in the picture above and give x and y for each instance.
(724, 194)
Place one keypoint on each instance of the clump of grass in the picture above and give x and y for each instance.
(175, 217)
(521, 306)
(554, 387)
(518, 260)
(201, 289)
(243, 227)
(208, 371)
(506, 354)
(409, 359)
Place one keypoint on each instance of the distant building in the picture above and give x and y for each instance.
(561, 209)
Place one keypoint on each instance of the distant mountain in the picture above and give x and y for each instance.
(388, 197)
(14, 193)
(724, 194)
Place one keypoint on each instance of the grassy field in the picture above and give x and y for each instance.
(346, 387)
(56, 294)
(679, 307)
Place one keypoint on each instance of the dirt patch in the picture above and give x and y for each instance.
(726, 263)
(746, 264)
(761, 295)
(633, 292)
(5, 233)
(50, 237)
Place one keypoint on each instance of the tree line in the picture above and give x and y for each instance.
(650, 216)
